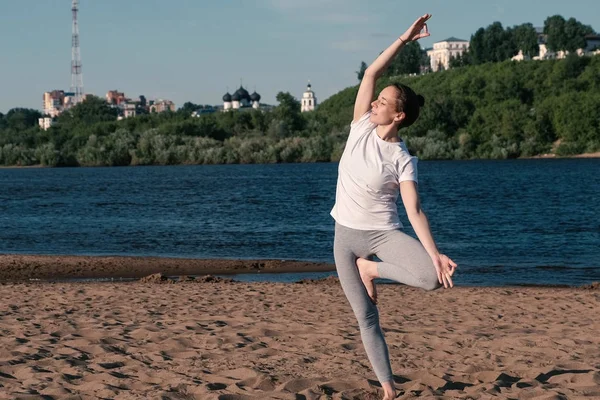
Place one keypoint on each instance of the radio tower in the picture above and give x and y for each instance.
(76, 74)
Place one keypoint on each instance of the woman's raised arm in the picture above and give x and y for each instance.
(366, 90)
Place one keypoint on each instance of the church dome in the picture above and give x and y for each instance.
(236, 96)
(242, 93)
(227, 97)
(255, 96)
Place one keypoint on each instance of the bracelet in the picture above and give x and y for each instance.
(402, 40)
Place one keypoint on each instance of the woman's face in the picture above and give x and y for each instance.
(385, 107)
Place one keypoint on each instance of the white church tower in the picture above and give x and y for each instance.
(309, 101)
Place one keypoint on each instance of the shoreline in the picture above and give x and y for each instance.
(15, 267)
(35, 166)
(537, 157)
(554, 156)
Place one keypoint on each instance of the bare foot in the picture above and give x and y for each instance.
(389, 391)
(368, 272)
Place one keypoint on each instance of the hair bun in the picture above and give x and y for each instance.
(420, 100)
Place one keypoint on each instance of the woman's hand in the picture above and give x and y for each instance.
(445, 268)
(417, 31)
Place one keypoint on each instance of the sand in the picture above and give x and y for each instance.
(213, 339)
(552, 155)
(26, 267)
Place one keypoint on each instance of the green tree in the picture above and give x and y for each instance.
(461, 60)
(526, 39)
(22, 118)
(554, 29)
(259, 121)
(361, 71)
(565, 35)
(425, 62)
(499, 43)
(287, 118)
(188, 108)
(208, 127)
(90, 111)
(47, 155)
(575, 33)
(492, 44)
(477, 47)
(408, 61)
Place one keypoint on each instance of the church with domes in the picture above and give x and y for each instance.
(241, 99)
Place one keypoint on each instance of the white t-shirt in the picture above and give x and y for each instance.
(369, 176)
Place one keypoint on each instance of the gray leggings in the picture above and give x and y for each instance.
(403, 259)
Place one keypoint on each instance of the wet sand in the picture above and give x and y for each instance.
(26, 267)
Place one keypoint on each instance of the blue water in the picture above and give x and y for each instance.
(504, 222)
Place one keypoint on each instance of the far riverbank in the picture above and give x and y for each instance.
(540, 156)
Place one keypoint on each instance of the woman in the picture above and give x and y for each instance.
(375, 167)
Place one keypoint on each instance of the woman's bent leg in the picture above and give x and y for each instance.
(348, 246)
(404, 260)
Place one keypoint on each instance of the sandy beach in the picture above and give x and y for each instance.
(215, 339)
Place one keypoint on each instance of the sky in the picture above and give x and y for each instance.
(196, 50)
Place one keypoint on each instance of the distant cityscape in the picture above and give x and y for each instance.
(440, 55)
(58, 101)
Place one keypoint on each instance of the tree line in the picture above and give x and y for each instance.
(508, 110)
(496, 44)
(89, 134)
(495, 110)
